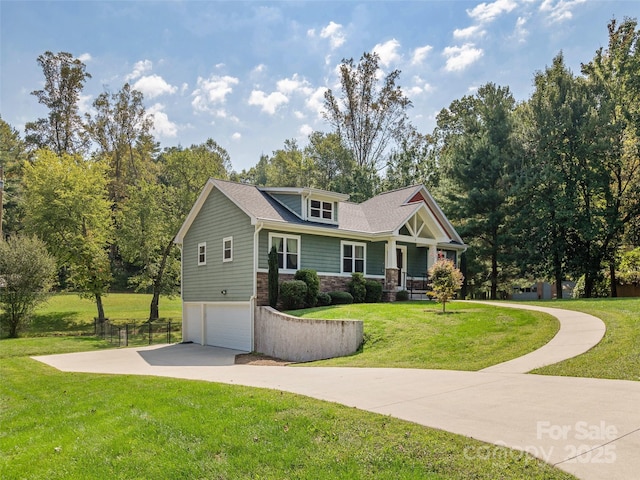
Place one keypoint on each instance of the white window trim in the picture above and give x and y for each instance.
(334, 211)
(224, 241)
(364, 257)
(285, 237)
(200, 245)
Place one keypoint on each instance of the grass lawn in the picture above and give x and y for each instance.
(70, 314)
(59, 425)
(618, 354)
(469, 336)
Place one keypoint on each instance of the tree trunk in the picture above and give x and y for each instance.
(154, 310)
(612, 272)
(494, 276)
(100, 307)
(557, 274)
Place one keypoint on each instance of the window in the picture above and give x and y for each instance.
(353, 257)
(202, 253)
(321, 210)
(288, 247)
(227, 249)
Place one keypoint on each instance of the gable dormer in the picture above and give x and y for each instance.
(310, 204)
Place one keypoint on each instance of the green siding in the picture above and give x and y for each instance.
(375, 258)
(416, 260)
(293, 202)
(323, 254)
(218, 218)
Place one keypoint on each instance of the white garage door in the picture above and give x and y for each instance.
(225, 325)
(228, 326)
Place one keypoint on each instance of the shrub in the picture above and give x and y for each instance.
(293, 294)
(273, 277)
(374, 291)
(310, 277)
(341, 298)
(402, 296)
(323, 299)
(357, 287)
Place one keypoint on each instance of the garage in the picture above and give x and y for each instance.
(219, 324)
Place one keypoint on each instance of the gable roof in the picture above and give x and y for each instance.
(383, 214)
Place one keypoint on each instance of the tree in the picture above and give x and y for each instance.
(446, 280)
(370, 113)
(154, 211)
(12, 156)
(331, 163)
(478, 157)
(287, 167)
(413, 162)
(548, 199)
(613, 77)
(66, 205)
(27, 273)
(62, 131)
(120, 127)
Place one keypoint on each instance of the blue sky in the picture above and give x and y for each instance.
(252, 74)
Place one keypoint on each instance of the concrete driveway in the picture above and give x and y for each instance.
(587, 427)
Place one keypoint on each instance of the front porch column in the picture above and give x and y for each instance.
(433, 256)
(391, 272)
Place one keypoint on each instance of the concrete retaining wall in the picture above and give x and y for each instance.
(303, 339)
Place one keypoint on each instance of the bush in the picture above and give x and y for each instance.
(402, 296)
(293, 294)
(357, 287)
(323, 299)
(601, 287)
(374, 291)
(310, 277)
(341, 298)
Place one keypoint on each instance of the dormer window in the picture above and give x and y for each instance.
(323, 210)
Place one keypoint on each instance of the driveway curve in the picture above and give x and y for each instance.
(588, 427)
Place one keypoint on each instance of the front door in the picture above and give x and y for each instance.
(401, 263)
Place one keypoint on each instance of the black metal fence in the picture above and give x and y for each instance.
(147, 333)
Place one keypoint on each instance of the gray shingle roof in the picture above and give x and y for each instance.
(383, 213)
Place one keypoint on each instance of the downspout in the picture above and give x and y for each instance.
(254, 297)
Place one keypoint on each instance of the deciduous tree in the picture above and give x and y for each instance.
(62, 131)
(66, 205)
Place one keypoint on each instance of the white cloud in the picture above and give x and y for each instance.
(139, 69)
(153, 86)
(333, 32)
(388, 51)
(184, 88)
(487, 12)
(259, 68)
(162, 126)
(84, 104)
(299, 115)
(212, 91)
(520, 32)
(459, 58)
(294, 84)
(315, 102)
(269, 103)
(420, 53)
(469, 32)
(85, 57)
(419, 86)
(237, 136)
(305, 130)
(559, 10)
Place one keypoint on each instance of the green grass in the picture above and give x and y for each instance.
(416, 335)
(65, 314)
(59, 425)
(617, 356)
